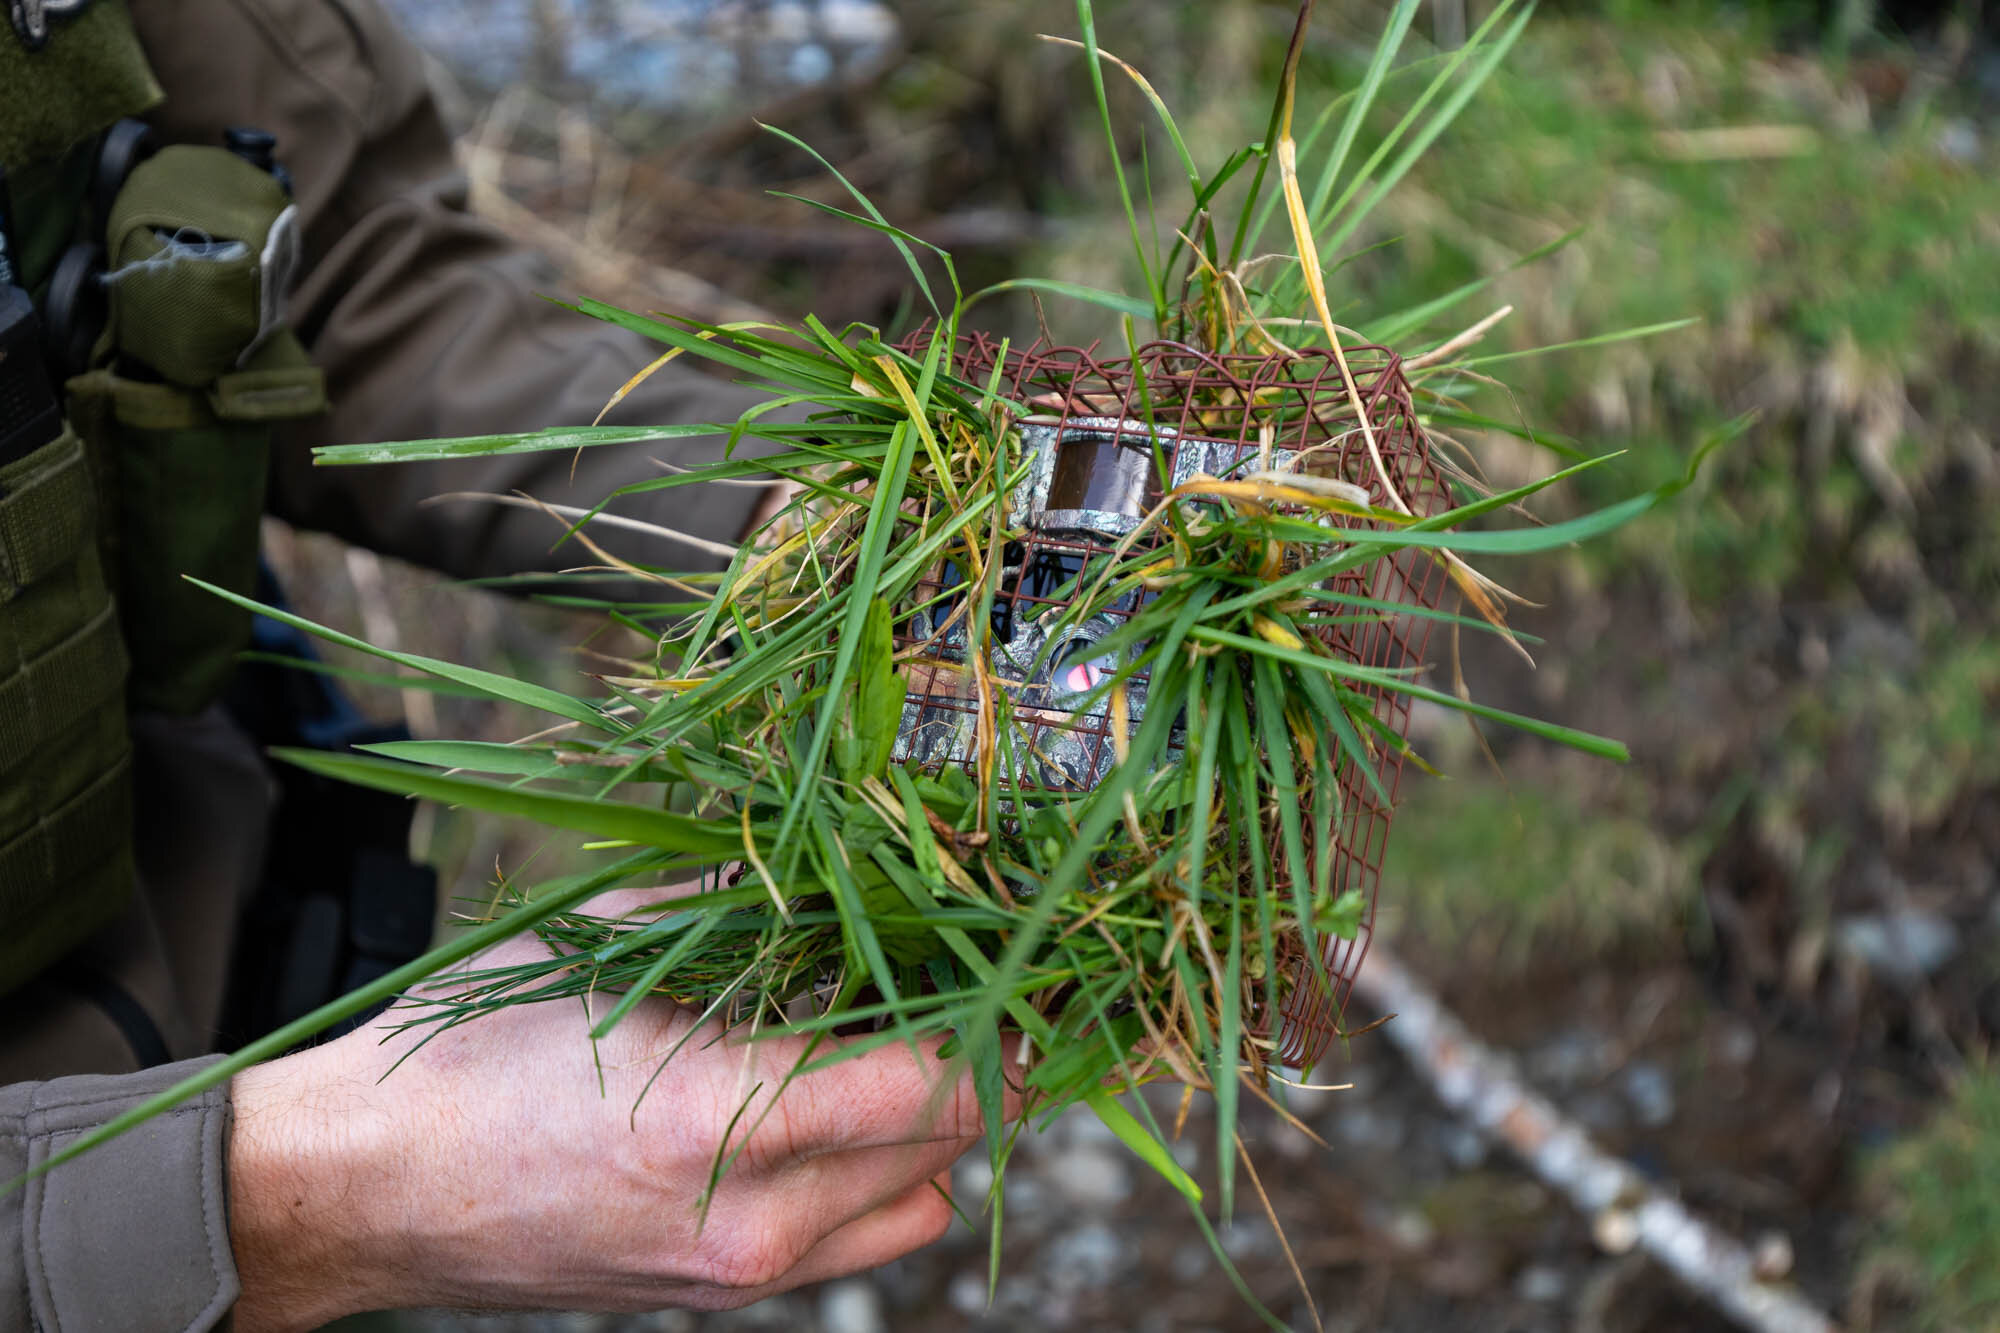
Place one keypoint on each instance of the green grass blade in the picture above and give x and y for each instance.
(1391, 329)
(874, 543)
(1489, 60)
(685, 942)
(1115, 301)
(902, 239)
(1087, 20)
(487, 683)
(1598, 340)
(1562, 446)
(1270, 697)
(1576, 740)
(473, 756)
(1159, 105)
(1144, 1146)
(428, 684)
(837, 874)
(517, 442)
(701, 838)
(1391, 42)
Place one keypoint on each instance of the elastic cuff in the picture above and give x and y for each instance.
(133, 1236)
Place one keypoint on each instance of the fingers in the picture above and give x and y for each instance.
(850, 1185)
(643, 905)
(786, 1212)
(890, 1096)
(909, 1221)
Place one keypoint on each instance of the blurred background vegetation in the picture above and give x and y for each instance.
(1796, 876)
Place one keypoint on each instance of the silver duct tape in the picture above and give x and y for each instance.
(1193, 456)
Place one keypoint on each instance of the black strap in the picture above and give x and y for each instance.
(116, 1003)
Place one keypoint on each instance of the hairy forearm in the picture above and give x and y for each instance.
(313, 1188)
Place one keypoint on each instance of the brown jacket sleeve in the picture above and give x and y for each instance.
(426, 319)
(131, 1237)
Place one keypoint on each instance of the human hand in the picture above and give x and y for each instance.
(490, 1170)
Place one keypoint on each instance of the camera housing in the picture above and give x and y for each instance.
(1089, 484)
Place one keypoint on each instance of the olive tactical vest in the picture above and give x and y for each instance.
(159, 280)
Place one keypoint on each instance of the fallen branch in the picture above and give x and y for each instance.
(1482, 1086)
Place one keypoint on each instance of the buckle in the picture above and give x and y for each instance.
(31, 18)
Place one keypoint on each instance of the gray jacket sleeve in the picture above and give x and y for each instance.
(131, 1237)
(427, 320)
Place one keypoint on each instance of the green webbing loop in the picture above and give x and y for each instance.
(48, 693)
(275, 393)
(91, 73)
(45, 512)
(85, 848)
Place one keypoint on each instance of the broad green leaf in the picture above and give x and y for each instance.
(879, 693)
(1341, 915)
(473, 756)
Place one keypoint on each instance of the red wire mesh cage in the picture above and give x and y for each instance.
(1099, 433)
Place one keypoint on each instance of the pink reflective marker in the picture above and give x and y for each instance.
(1083, 677)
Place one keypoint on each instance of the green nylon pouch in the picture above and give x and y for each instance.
(91, 72)
(191, 468)
(201, 247)
(65, 797)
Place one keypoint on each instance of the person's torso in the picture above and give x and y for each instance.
(152, 280)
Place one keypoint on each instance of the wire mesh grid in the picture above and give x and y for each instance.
(1240, 412)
